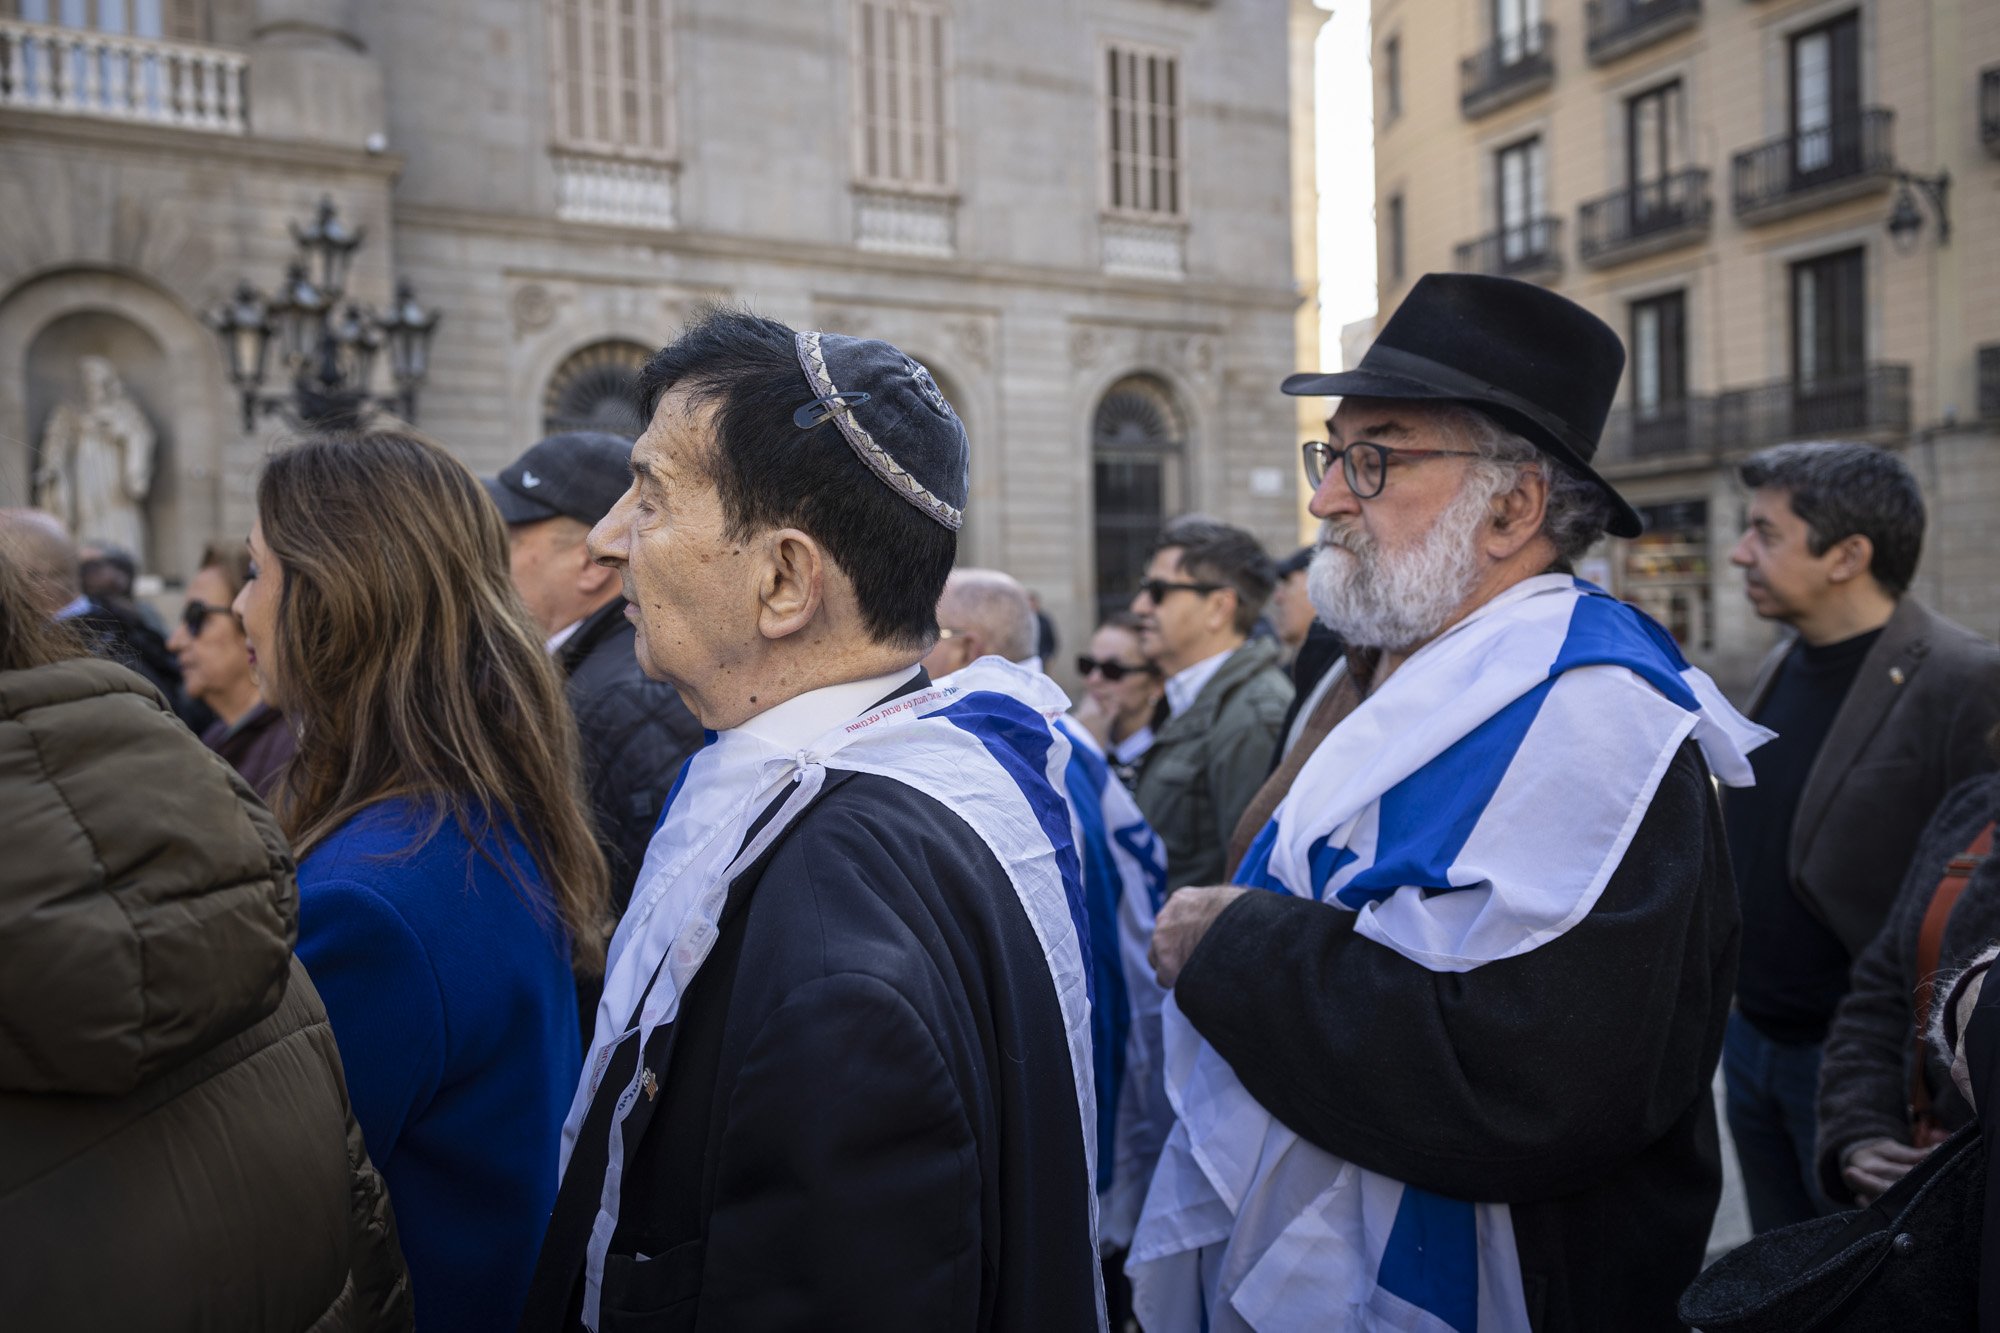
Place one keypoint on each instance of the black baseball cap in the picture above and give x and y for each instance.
(579, 474)
(1296, 563)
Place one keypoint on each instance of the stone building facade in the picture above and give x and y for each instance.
(1716, 179)
(1080, 216)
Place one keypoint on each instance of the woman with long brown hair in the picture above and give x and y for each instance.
(447, 871)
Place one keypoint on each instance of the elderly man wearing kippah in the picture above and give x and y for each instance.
(1440, 1057)
(841, 1075)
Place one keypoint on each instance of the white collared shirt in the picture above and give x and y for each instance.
(1185, 684)
(1129, 750)
(803, 719)
(562, 636)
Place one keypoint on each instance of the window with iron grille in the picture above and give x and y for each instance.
(1136, 449)
(902, 96)
(1142, 96)
(611, 72)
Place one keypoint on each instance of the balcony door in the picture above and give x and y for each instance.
(1659, 370)
(1829, 342)
(1655, 148)
(1826, 99)
(1520, 191)
(1517, 29)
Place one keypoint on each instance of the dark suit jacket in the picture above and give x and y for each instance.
(866, 1116)
(1570, 1082)
(1914, 725)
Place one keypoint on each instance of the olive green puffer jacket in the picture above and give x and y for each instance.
(176, 1149)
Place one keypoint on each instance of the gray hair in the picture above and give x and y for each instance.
(40, 546)
(996, 606)
(1844, 490)
(1578, 510)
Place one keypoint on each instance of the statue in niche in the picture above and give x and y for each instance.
(97, 462)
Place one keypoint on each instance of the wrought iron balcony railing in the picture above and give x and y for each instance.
(1532, 249)
(1678, 429)
(1854, 154)
(1874, 401)
(1644, 218)
(1508, 68)
(110, 76)
(1989, 109)
(1619, 27)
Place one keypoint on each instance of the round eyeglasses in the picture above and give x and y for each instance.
(1364, 464)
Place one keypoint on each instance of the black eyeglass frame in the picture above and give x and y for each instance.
(1320, 455)
(1112, 670)
(194, 616)
(1157, 589)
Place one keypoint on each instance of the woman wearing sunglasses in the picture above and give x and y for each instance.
(215, 668)
(1121, 690)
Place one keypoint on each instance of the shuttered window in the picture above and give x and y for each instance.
(611, 72)
(903, 120)
(1143, 132)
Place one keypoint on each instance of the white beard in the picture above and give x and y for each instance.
(1396, 600)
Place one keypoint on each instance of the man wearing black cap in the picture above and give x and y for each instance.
(1452, 1069)
(841, 1073)
(636, 733)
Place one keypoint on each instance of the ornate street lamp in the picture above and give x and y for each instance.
(327, 347)
(1906, 220)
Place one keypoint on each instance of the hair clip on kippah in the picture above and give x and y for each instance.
(822, 408)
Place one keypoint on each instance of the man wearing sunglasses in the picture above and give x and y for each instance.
(1226, 695)
(1443, 1051)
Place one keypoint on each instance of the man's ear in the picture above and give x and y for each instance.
(1517, 514)
(1852, 557)
(791, 586)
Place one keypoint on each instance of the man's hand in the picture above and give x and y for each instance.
(1182, 922)
(1872, 1166)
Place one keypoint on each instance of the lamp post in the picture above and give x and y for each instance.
(1906, 220)
(326, 344)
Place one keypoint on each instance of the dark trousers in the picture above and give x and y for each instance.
(1773, 1107)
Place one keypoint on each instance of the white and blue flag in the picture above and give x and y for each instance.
(1472, 808)
(980, 741)
(1124, 883)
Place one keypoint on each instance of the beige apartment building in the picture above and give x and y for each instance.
(1088, 217)
(1754, 194)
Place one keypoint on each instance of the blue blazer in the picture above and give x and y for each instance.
(448, 982)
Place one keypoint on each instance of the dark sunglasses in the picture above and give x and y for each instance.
(1112, 671)
(1157, 589)
(195, 616)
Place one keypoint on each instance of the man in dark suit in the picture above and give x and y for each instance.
(838, 1081)
(635, 731)
(1881, 706)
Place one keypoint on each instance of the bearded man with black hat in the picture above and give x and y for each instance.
(841, 1075)
(1441, 1057)
(635, 731)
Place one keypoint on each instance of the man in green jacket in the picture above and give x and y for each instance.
(1226, 694)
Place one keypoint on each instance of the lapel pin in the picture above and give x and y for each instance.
(649, 1085)
(1896, 675)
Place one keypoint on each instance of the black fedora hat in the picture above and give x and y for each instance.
(1540, 365)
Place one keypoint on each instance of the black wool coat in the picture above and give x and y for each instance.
(866, 1117)
(635, 734)
(1570, 1083)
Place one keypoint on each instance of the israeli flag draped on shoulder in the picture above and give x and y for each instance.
(1471, 809)
(979, 741)
(1124, 883)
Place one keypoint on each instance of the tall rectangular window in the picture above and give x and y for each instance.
(902, 98)
(1517, 29)
(1142, 132)
(1521, 192)
(1392, 78)
(1659, 356)
(1826, 93)
(1655, 133)
(611, 77)
(1829, 320)
(1393, 225)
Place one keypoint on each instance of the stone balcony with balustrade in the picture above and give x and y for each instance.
(114, 76)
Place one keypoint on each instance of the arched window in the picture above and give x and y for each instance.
(1136, 445)
(592, 390)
